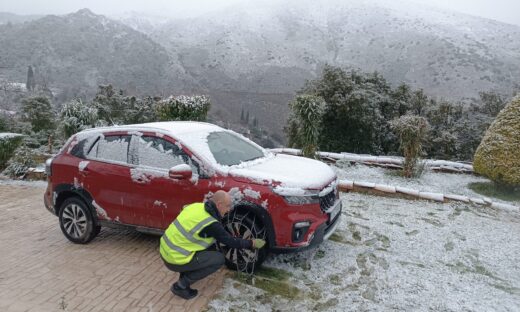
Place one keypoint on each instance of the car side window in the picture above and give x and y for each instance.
(159, 153)
(111, 148)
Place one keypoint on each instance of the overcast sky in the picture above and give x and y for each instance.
(503, 10)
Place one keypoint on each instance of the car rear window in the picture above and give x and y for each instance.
(111, 148)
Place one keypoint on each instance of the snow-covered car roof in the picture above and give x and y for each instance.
(191, 134)
(181, 128)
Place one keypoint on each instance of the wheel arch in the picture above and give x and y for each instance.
(262, 215)
(64, 191)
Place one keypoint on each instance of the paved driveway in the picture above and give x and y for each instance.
(40, 270)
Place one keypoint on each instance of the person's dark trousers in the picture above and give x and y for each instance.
(203, 264)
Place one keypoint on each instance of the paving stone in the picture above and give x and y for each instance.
(40, 270)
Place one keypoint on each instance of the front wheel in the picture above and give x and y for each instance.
(76, 221)
(244, 225)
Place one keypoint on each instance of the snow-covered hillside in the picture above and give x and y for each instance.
(396, 254)
(274, 46)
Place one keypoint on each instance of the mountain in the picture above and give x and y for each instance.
(274, 46)
(82, 50)
(142, 22)
(6, 17)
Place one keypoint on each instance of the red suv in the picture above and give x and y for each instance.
(141, 176)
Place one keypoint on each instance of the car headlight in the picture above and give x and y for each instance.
(296, 196)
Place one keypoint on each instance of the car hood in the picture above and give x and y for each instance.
(288, 171)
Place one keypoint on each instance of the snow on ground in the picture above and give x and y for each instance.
(396, 254)
(4, 180)
(430, 181)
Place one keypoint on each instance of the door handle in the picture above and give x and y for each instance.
(84, 172)
(142, 181)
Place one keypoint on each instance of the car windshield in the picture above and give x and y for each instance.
(229, 149)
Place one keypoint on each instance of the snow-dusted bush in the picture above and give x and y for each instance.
(18, 165)
(9, 142)
(139, 110)
(38, 111)
(76, 116)
(498, 155)
(183, 108)
(412, 131)
(305, 123)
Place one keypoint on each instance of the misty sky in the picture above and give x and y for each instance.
(503, 10)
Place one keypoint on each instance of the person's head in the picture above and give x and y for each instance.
(223, 202)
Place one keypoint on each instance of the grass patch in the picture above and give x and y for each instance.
(272, 281)
(320, 254)
(329, 304)
(335, 279)
(419, 265)
(394, 223)
(338, 238)
(335, 237)
(273, 273)
(434, 222)
(490, 189)
(414, 232)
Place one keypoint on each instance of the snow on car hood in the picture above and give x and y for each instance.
(291, 172)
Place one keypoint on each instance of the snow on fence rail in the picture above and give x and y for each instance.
(360, 186)
(393, 162)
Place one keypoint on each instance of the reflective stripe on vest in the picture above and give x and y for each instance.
(201, 224)
(190, 236)
(175, 247)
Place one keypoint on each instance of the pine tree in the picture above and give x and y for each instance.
(30, 84)
(247, 117)
(242, 114)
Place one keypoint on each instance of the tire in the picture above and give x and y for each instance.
(76, 221)
(244, 225)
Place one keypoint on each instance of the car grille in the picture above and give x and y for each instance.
(327, 200)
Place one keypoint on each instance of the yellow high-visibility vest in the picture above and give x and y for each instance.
(181, 239)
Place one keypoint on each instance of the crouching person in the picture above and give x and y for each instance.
(186, 245)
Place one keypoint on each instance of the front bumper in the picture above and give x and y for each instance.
(322, 232)
(48, 205)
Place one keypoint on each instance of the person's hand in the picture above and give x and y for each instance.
(258, 243)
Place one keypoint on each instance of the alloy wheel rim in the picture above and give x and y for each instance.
(74, 221)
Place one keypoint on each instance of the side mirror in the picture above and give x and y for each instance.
(180, 172)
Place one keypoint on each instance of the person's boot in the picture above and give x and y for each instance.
(185, 293)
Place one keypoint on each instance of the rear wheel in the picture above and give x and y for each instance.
(76, 221)
(244, 225)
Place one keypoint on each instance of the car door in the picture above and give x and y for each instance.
(164, 196)
(106, 176)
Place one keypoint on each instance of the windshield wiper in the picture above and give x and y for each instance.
(254, 158)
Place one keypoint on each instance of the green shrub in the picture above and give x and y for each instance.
(38, 111)
(183, 108)
(305, 123)
(498, 155)
(412, 131)
(76, 116)
(18, 165)
(8, 144)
